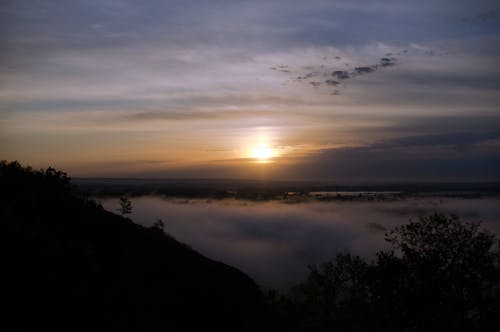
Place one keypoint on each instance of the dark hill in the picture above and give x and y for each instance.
(69, 264)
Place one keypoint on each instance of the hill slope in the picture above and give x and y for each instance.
(69, 264)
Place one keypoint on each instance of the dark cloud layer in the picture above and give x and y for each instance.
(435, 157)
(454, 140)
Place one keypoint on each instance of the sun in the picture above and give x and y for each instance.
(262, 152)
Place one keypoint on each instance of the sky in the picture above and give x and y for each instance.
(346, 91)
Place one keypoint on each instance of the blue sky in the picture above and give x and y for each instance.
(339, 90)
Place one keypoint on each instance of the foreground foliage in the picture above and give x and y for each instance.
(439, 275)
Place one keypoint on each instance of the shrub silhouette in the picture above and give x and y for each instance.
(125, 205)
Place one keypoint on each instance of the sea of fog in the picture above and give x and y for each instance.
(274, 241)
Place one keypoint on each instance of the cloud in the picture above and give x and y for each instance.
(404, 164)
(341, 74)
(432, 157)
(455, 140)
(386, 62)
(209, 115)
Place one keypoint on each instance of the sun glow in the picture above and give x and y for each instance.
(263, 152)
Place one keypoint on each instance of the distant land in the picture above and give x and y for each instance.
(272, 190)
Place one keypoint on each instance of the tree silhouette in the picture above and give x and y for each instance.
(336, 294)
(125, 205)
(439, 274)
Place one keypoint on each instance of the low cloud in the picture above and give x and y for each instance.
(274, 242)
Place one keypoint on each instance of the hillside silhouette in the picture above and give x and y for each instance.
(67, 264)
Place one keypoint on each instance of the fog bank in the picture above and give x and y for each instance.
(274, 242)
